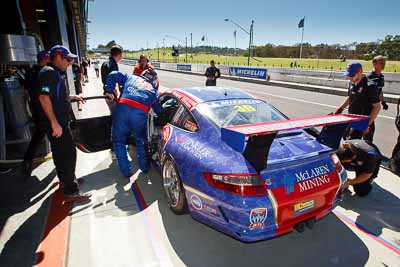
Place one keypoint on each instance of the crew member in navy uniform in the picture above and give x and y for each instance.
(111, 65)
(363, 99)
(31, 84)
(55, 100)
(364, 158)
(376, 76)
(212, 74)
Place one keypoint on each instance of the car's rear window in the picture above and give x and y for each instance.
(239, 111)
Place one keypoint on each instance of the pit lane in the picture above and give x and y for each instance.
(131, 225)
(127, 225)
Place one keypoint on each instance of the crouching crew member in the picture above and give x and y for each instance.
(364, 158)
(138, 96)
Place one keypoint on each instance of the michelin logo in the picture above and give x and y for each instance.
(248, 72)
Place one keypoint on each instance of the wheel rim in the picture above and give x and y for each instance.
(171, 183)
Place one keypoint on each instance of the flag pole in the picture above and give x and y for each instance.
(301, 44)
(234, 35)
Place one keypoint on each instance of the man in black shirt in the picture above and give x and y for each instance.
(376, 76)
(31, 84)
(111, 64)
(212, 74)
(55, 100)
(77, 72)
(362, 99)
(364, 158)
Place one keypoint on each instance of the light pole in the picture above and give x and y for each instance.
(163, 45)
(250, 33)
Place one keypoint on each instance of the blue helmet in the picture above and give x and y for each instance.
(151, 77)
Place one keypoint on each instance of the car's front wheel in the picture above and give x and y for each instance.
(173, 187)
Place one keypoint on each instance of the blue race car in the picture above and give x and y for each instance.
(238, 164)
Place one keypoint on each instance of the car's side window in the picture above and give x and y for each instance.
(171, 106)
(183, 119)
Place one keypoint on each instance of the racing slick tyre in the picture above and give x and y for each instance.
(173, 187)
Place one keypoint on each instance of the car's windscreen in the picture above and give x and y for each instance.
(239, 111)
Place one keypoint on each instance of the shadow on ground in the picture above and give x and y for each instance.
(380, 209)
(330, 243)
(17, 194)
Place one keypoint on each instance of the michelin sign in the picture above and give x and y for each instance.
(256, 73)
(184, 67)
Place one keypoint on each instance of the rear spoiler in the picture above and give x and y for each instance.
(251, 139)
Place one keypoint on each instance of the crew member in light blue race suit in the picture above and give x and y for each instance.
(139, 95)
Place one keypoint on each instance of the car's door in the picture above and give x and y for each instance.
(92, 134)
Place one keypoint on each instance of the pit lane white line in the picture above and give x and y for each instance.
(294, 99)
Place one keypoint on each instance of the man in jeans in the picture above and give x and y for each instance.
(55, 102)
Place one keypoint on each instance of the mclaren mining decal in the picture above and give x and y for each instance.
(307, 179)
(312, 178)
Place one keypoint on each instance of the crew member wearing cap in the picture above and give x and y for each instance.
(212, 74)
(364, 158)
(376, 76)
(142, 65)
(363, 99)
(130, 116)
(55, 100)
(31, 84)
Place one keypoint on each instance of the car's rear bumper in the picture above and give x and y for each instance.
(248, 221)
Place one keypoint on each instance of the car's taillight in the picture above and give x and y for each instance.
(247, 184)
(337, 163)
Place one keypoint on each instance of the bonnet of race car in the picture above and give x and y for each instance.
(254, 140)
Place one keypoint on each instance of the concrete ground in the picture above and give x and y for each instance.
(127, 225)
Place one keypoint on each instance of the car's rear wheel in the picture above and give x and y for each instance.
(173, 187)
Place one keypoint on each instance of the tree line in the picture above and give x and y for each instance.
(389, 47)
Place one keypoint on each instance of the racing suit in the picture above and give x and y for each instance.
(137, 98)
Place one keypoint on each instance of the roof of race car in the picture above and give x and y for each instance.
(213, 93)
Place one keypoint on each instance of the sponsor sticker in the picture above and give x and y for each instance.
(191, 126)
(166, 134)
(303, 206)
(307, 179)
(257, 217)
(196, 202)
(210, 209)
(245, 108)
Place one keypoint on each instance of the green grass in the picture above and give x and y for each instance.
(323, 64)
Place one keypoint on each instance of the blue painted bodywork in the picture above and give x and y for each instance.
(293, 152)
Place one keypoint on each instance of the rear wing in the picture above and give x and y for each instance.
(251, 138)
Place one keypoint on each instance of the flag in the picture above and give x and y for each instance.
(234, 34)
(203, 38)
(301, 23)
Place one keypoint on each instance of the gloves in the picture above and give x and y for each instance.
(385, 105)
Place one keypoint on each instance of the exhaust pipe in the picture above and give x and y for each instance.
(310, 223)
(300, 227)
